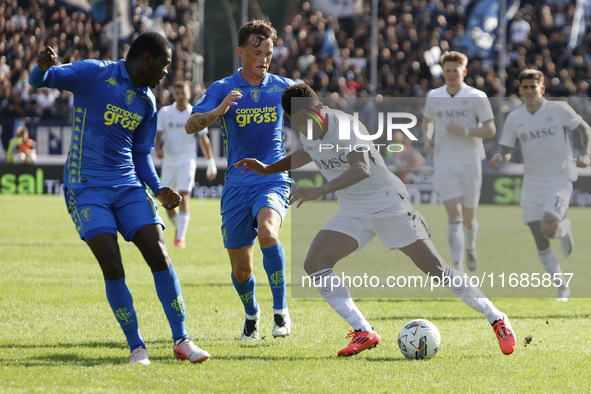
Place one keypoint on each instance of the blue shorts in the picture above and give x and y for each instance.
(241, 204)
(97, 210)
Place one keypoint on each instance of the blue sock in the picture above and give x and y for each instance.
(246, 292)
(132, 348)
(121, 303)
(274, 263)
(168, 289)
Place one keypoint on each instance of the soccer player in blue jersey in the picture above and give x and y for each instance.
(109, 161)
(248, 105)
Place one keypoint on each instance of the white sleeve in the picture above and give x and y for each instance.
(483, 109)
(160, 120)
(571, 119)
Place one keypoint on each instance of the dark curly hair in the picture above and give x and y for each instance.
(154, 43)
(305, 95)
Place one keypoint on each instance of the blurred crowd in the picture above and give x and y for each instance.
(413, 34)
(333, 56)
(29, 25)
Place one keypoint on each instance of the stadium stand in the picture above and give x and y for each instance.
(331, 55)
(411, 35)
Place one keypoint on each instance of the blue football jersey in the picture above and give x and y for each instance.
(112, 116)
(253, 128)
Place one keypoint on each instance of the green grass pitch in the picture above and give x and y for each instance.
(57, 332)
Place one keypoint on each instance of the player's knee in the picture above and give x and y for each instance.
(468, 223)
(242, 274)
(549, 229)
(268, 237)
(158, 262)
(549, 225)
(112, 272)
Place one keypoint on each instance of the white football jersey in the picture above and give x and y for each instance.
(381, 190)
(545, 144)
(467, 108)
(178, 145)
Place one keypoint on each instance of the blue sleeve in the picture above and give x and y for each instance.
(145, 134)
(143, 144)
(212, 97)
(144, 167)
(72, 76)
(37, 77)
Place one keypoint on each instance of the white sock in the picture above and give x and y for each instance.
(562, 229)
(283, 311)
(338, 297)
(472, 296)
(173, 219)
(182, 224)
(455, 238)
(551, 265)
(471, 234)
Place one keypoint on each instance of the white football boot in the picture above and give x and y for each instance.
(250, 331)
(185, 349)
(139, 356)
(281, 325)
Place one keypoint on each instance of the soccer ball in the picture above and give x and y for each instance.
(419, 339)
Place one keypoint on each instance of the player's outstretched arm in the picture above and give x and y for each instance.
(502, 156)
(585, 132)
(45, 60)
(200, 120)
(358, 170)
(205, 145)
(428, 128)
(295, 160)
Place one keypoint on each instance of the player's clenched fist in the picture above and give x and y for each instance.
(46, 58)
(169, 198)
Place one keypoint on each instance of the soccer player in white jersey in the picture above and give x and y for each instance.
(178, 151)
(541, 127)
(456, 119)
(373, 201)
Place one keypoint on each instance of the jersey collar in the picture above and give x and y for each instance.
(242, 82)
(541, 108)
(459, 93)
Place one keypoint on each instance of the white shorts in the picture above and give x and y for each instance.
(459, 180)
(548, 196)
(180, 175)
(396, 227)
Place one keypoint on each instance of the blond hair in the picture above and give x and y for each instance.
(453, 56)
